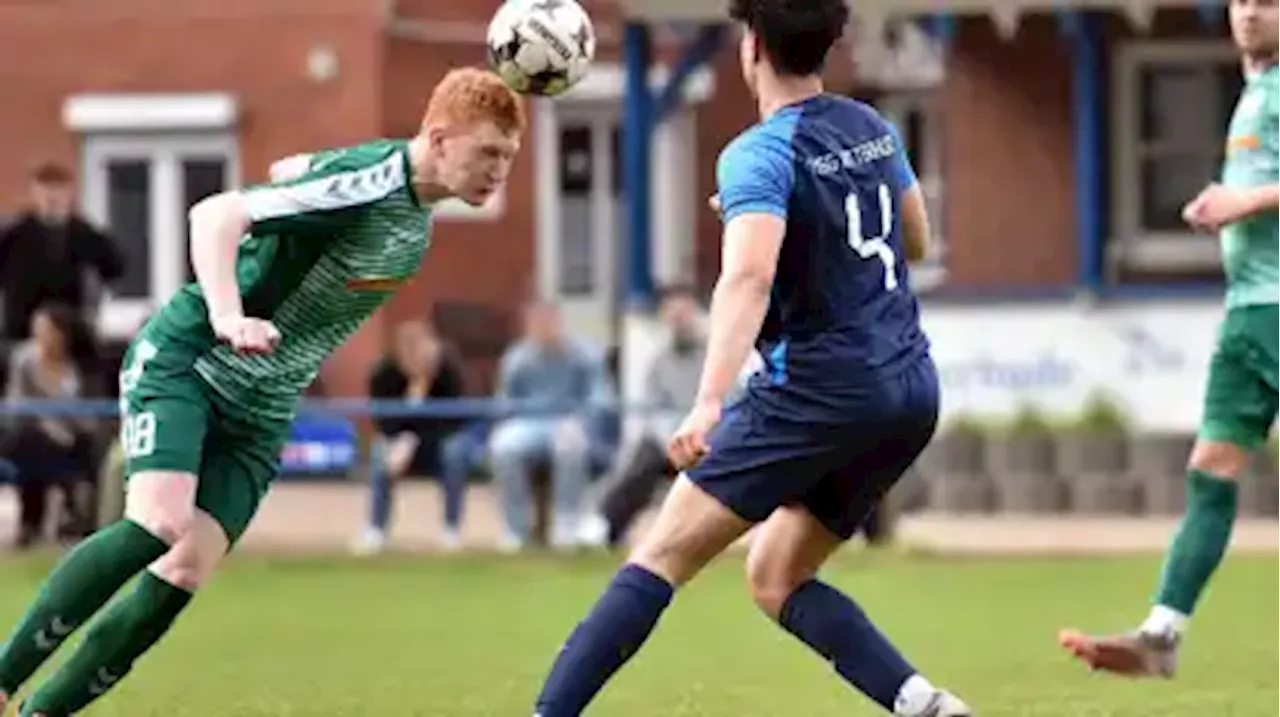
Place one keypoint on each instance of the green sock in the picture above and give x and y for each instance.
(83, 581)
(1200, 542)
(120, 636)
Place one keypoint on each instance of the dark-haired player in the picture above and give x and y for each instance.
(821, 213)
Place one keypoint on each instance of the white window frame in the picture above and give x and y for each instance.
(1130, 244)
(162, 130)
(930, 172)
(673, 191)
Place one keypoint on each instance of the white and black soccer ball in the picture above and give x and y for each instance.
(541, 47)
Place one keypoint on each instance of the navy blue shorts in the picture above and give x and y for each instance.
(762, 458)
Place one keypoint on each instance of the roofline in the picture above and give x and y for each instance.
(878, 10)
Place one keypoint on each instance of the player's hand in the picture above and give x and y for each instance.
(247, 335)
(1215, 207)
(689, 443)
(714, 202)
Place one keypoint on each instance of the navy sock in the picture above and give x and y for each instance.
(833, 625)
(612, 632)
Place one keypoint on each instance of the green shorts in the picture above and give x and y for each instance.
(174, 421)
(1240, 398)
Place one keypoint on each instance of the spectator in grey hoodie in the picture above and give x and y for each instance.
(562, 381)
(671, 382)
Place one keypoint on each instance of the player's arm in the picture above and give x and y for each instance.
(748, 260)
(916, 232)
(310, 203)
(754, 190)
(917, 236)
(217, 223)
(1219, 205)
(289, 168)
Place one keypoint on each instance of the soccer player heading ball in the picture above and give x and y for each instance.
(286, 273)
(821, 213)
(1240, 394)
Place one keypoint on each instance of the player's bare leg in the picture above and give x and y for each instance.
(690, 530)
(1195, 552)
(692, 527)
(158, 512)
(782, 567)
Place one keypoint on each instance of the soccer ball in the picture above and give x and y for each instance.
(541, 47)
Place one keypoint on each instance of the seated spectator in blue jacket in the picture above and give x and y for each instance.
(421, 367)
(563, 383)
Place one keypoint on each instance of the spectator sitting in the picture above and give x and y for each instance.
(546, 370)
(671, 382)
(46, 253)
(422, 367)
(48, 451)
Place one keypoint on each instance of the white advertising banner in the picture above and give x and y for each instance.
(1149, 357)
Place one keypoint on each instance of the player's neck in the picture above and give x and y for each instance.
(1257, 63)
(425, 184)
(779, 92)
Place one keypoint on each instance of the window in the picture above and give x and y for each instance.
(201, 177)
(1171, 105)
(139, 189)
(128, 190)
(591, 202)
(145, 160)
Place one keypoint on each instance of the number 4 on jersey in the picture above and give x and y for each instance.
(875, 246)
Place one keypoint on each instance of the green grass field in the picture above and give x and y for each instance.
(474, 636)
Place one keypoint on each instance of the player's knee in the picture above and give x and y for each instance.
(162, 503)
(771, 581)
(192, 561)
(170, 524)
(1221, 459)
(186, 575)
(675, 555)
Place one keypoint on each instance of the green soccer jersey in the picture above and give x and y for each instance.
(324, 251)
(1249, 246)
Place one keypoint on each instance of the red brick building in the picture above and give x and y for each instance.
(159, 103)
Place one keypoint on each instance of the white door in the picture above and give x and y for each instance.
(581, 259)
(139, 189)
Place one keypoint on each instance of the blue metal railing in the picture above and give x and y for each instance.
(323, 437)
(478, 408)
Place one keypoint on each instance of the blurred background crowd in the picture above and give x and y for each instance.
(1071, 313)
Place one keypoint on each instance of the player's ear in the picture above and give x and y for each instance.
(756, 48)
(435, 136)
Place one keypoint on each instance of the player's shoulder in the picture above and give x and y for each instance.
(855, 118)
(765, 147)
(773, 135)
(378, 153)
(356, 157)
(1270, 82)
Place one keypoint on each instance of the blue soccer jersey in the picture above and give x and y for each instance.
(841, 315)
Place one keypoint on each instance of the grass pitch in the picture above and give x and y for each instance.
(471, 636)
